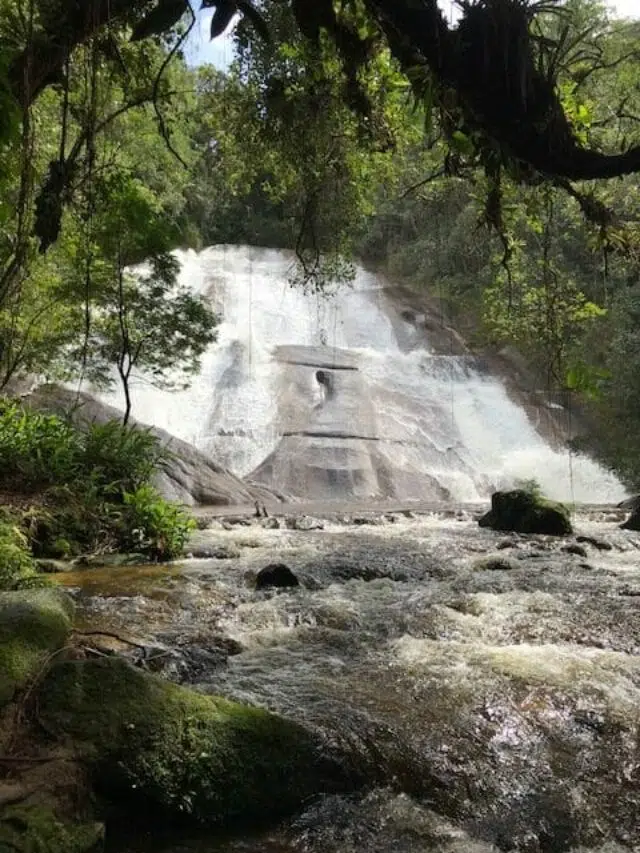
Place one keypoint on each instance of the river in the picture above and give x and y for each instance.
(486, 685)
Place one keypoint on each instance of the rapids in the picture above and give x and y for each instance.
(346, 397)
(489, 705)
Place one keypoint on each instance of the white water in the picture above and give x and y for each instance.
(410, 424)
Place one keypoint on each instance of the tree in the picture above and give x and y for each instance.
(148, 323)
(492, 75)
(141, 319)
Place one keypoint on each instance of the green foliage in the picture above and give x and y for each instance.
(92, 489)
(119, 459)
(157, 527)
(532, 487)
(36, 450)
(17, 568)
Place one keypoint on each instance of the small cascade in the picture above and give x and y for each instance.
(343, 397)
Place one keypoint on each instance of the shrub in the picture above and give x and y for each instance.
(36, 450)
(120, 458)
(156, 527)
(17, 568)
(92, 487)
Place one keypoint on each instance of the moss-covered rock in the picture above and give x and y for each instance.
(36, 829)
(521, 511)
(33, 624)
(152, 745)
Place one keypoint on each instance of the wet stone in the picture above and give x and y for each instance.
(215, 552)
(304, 523)
(577, 550)
(276, 575)
(600, 544)
(495, 563)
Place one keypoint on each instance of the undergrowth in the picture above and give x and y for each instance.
(85, 490)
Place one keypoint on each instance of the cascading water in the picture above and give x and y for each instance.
(340, 397)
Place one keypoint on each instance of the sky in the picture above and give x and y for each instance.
(220, 52)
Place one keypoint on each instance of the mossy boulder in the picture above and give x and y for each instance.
(33, 625)
(154, 747)
(36, 829)
(521, 511)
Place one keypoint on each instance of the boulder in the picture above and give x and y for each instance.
(37, 829)
(633, 522)
(519, 511)
(154, 747)
(188, 476)
(276, 575)
(33, 625)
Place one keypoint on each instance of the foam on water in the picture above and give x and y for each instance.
(417, 417)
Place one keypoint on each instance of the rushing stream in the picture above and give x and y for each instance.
(490, 706)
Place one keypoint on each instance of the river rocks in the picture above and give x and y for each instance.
(600, 544)
(215, 552)
(36, 829)
(276, 575)
(303, 522)
(154, 746)
(520, 511)
(33, 624)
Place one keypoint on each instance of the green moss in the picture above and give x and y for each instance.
(178, 753)
(36, 829)
(523, 511)
(33, 624)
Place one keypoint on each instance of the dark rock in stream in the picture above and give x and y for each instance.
(276, 575)
(633, 522)
(600, 544)
(576, 550)
(522, 512)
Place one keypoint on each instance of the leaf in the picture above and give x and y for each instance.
(160, 19)
(461, 143)
(222, 17)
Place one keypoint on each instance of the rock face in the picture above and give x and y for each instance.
(519, 511)
(190, 476)
(33, 624)
(153, 746)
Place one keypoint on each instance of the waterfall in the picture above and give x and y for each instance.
(344, 397)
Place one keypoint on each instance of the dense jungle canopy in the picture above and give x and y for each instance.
(492, 162)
